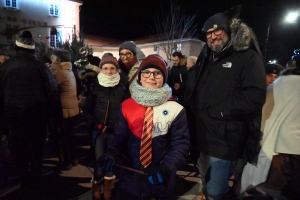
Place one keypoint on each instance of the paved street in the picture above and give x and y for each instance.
(75, 184)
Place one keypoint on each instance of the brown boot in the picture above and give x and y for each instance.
(96, 186)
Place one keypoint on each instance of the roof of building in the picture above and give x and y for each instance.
(99, 41)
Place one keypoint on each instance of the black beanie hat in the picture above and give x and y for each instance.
(130, 45)
(218, 20)
(25, 41)
(154, 61)
(273, 68)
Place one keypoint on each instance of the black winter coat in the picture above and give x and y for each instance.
(104, 100)
(28, 84)
(177, 75)
(228, 93)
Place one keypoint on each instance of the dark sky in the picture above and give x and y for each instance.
(131, 19)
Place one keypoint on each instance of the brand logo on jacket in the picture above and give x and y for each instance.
(165, 112)
(227, 65)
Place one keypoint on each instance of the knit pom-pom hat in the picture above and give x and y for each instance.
(108, 58)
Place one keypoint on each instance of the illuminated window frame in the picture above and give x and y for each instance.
(55, 40)
(52, 40)
(11, 3)
(54, 10)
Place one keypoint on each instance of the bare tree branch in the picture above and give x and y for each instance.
(171, 26)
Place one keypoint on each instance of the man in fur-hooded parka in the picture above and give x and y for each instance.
(228, 92)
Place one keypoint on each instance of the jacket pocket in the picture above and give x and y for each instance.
(235, 133)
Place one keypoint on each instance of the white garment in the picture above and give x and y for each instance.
(280, 126)
(108, 81)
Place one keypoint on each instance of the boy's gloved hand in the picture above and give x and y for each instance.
(161, 176)
(107, 162)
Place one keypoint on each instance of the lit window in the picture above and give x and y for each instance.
(156, 49)
(54, 10)
(178, 47)
(58, 39)
(55, 40)
(52, 41)
(11, 3)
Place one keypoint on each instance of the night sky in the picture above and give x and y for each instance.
(131, 19)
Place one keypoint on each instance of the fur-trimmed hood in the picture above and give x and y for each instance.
(242, 36)
(93, 68)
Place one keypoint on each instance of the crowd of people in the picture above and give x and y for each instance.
(224, 111)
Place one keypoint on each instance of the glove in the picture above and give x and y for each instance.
(161, 176)
(106, 163)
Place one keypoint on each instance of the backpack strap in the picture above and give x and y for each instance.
(133, 77)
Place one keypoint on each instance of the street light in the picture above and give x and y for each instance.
(290, 18)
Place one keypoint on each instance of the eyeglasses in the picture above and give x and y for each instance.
(147, 74)
(109, 69)
(217, 32)
(125, 55)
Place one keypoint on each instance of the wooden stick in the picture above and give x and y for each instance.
(131, 169)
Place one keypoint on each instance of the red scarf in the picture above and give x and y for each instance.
(126, 67)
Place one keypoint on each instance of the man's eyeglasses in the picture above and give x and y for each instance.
(147, 74)
(217, 32)
(125, 55)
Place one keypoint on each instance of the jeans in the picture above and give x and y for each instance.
(102, 142)
(215, 173)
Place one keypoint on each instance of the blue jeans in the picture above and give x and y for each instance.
(215, 173)
(102, 142)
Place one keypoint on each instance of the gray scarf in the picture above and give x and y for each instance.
(150, 97)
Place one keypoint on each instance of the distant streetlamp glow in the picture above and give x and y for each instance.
(292, 17)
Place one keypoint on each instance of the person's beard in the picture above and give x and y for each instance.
(219, 48)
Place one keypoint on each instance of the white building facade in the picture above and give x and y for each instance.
(100, 45)
(38, 16)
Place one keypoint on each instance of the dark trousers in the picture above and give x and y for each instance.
(101, 144)
(64, 138)
(68, 143)
(191, 118)
(28, 134)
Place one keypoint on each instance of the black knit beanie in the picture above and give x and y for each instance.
(273, 68)
(218, 20)
(25, 41)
